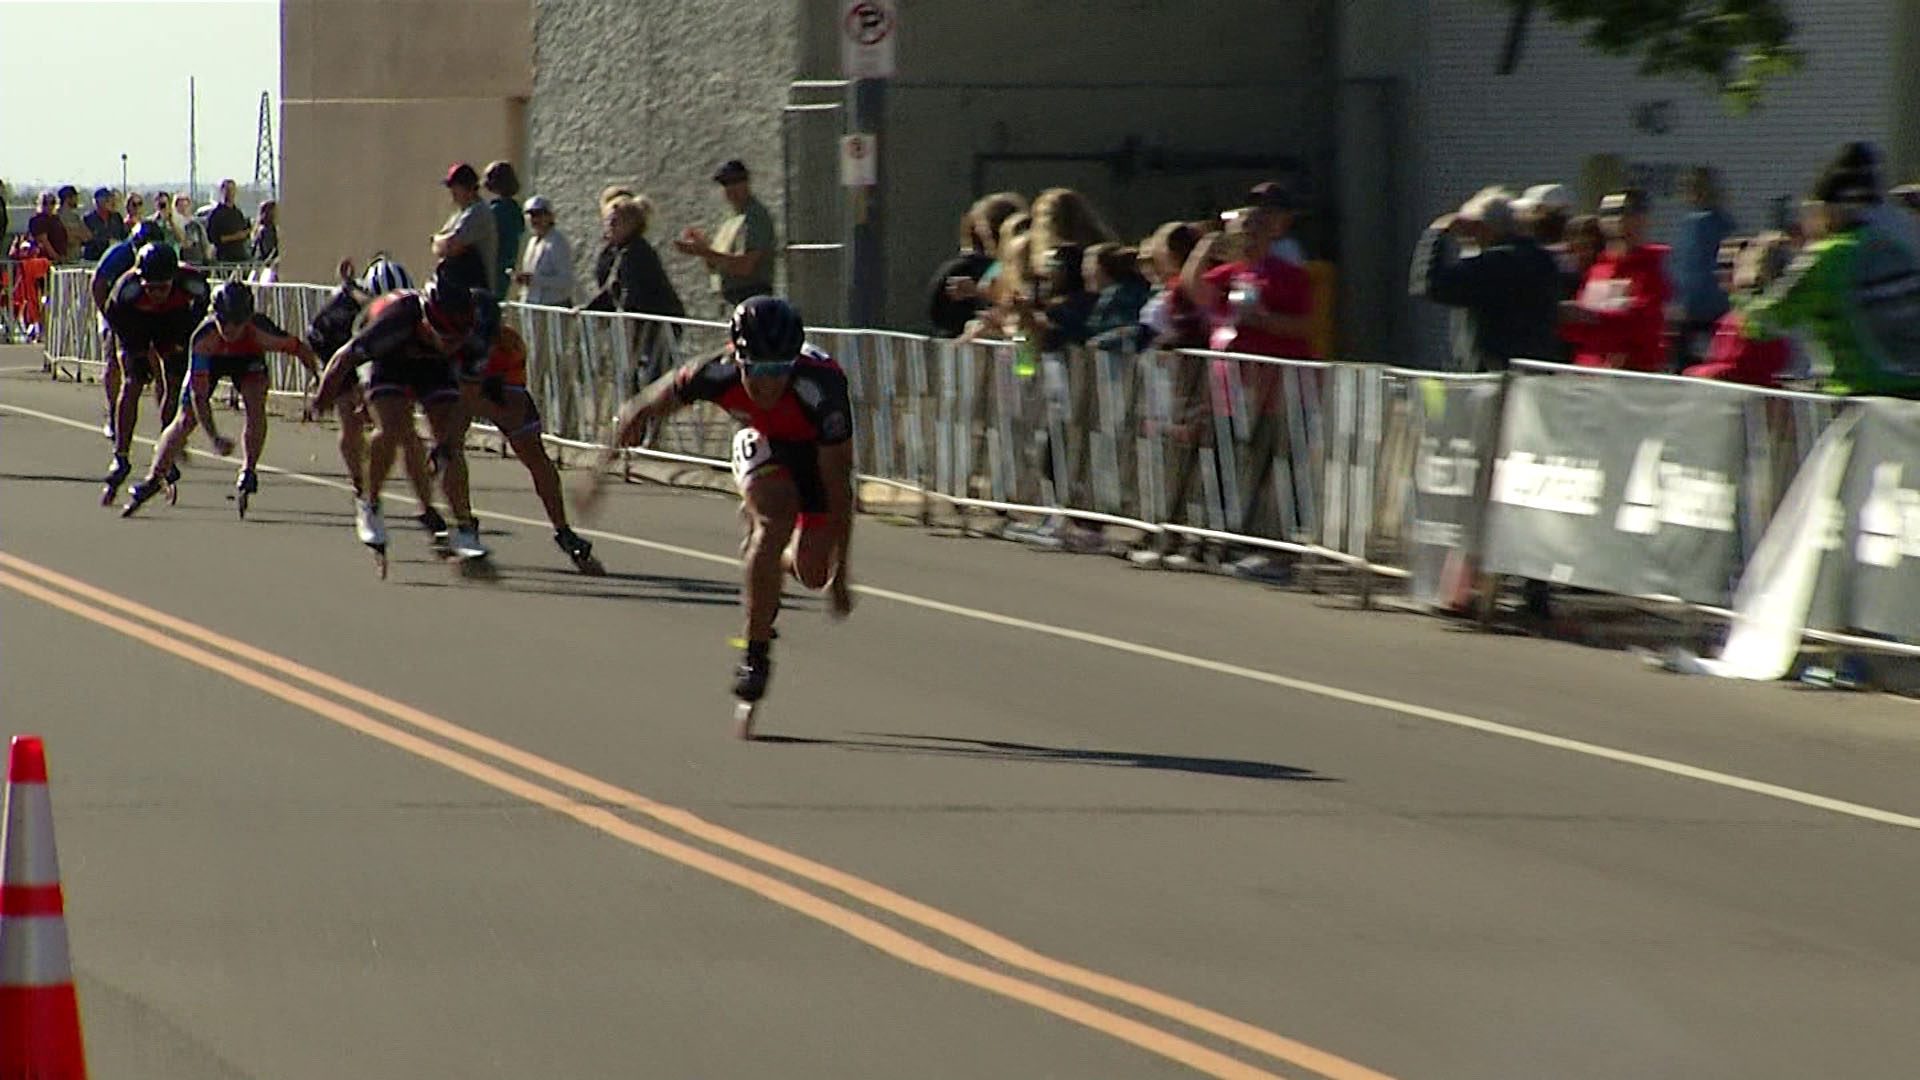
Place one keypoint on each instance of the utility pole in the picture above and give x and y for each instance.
(193, 144)
(123, 176)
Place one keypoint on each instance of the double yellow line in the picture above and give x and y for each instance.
(587, 800)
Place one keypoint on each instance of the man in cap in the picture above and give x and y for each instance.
(1503, 285)
(740, 255)
(1543, 211)
(1855, 292)
(105, 226)
(547, 264)
(468, 245)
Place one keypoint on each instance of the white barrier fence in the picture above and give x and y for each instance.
(1654, 487)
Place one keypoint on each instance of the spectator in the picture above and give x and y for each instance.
(1863, 159)
(1581, 249)
(78, 235)
(1619, 319)
(1170, 316)
(467, 244)
(6, 216)
(47, 231)
(1063, 216)
(194, 246)
(548, 262)
(509, 223)
(635, 280)
(1064, 301)
(1256, 302)
(105, 227)
(1120, 292)
(1274, 193)
(1544, 212)
(956, 295)
(266, 234)
(1506, 294)
(136, 210)
(1855, 290)
(1749, 267)
(1694, 265)
(228, 227)
(740, 255)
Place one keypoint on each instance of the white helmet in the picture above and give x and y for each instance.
(385, 275)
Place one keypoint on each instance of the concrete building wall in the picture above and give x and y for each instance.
(377, 99)
(655, 96)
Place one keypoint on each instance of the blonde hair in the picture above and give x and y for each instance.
(635, 210)
(1064, 216)
(611, 192)
(988, 215)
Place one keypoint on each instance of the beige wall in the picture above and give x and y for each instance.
(378, 98)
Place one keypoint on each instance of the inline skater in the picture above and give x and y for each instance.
(493, 386)
(792, 459)
(117, 260)
(231, 344)
(408, 343)
(152, 311)
(332, 327)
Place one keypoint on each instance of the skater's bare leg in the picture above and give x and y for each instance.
(174, 438)
(353, 443)
(393, 429)
(253, 398)
(772, 507)
(448, 421)
(546, 478)
(126, 414)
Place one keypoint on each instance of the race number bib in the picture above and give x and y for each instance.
(751, 453)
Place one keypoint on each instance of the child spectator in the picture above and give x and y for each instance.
(1748, 268)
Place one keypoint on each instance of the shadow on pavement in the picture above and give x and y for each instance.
(991, 750)
(49, 478)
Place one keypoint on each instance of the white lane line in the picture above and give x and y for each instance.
(1217, 667)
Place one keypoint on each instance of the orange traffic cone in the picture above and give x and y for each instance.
(39, 1012)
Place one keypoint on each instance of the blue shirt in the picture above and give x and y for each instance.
(1695, 265)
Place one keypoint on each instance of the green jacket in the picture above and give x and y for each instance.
(1857, 296)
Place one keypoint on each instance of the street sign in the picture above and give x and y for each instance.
(868, 30)
(859, 161)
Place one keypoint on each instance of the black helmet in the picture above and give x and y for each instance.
(449, 305)
(146, 233)
(766, 330)
(233, 302)
(157, 263)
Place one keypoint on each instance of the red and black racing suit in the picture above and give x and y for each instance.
(813, 412)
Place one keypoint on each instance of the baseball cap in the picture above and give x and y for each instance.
(102, 193)
(1545, 198)
(539, 205)
(731, 172)
(1630, 201)
(1271, 195)
(461, 173)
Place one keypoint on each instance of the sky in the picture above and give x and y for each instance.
(118, 84)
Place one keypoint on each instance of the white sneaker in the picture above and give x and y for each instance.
(368, 524)
(464, 541)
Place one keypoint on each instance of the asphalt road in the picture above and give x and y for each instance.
(1024, 815)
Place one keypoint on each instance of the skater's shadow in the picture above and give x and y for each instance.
(650, 588)
(49, 478)
(992, 750)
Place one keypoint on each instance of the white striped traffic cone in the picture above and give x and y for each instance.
(39, 1012)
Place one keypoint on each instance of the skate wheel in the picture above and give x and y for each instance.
(240, 504)
(744, 714)
(380, 562)
(173, 494)
(475, 567)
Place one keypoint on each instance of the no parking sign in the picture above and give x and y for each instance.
(859, 161)
(868, 29)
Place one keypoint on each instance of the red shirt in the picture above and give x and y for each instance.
(1734, 357)
(1282, 289)
(1627, 296)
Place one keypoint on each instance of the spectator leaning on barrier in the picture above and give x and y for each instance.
(1619, 320)
(194, 245)
(1277, 195)
(1747, 268)
(1694, 264)
(266, 234)
(957, 292)
(740, 254)
(546, 267)
(635, 280)
(467, 244)
(228, 227)
(1856, 291)
(47, 231)
(509, 223)
(1506, 288)
(1170, 317)
(1120, 291)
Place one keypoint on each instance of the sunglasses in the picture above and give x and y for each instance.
(767, 369)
